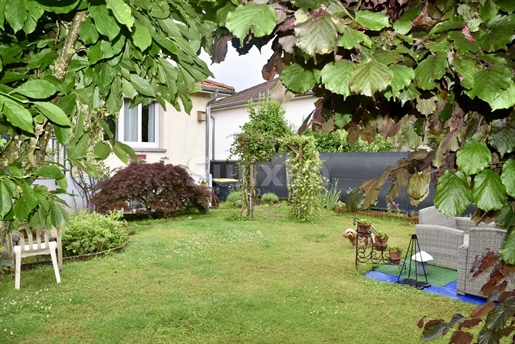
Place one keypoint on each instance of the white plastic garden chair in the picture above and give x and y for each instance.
(33, 244)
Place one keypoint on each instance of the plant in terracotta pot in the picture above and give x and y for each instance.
(395, 254)
(381, 238)
(363, 225)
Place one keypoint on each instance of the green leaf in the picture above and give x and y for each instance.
(488, 193)
(418, 187)
(466, 68)
(16, 114)
(37, 89)
(505, 100)
(88, 32)
(507, 253)
(317, 36)
(53, 113)
(50, 171)
(373, 20)
(351, 39)
(14, 170)
(259, 18)
(105, 23)
(462, 44)
(122, 12)
(141, 37)
(28, 192)
(369, 77)
(56, 215)
(430, 69)
(490, 82)
(15, 14)
(502, 136)
(79, 148)
(506, 216)
(298, 79)
(22, 209)
(498, 33)
(102, 150)
(68, 103)
(402, 77)
(508, 177)
(426, 106)
(453, 194)
(336, 76)
(62, 134)
(404, 24)
(119, 152)
(142, 86)
(62, 183)
(5, 199)
(473, 157)
(128, 150)
(56, 6)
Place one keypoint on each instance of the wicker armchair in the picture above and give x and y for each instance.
(480, 239)
(441, 237)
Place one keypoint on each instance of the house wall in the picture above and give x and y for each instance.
(229, 120)
(181, 138)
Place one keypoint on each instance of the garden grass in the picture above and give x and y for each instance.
(213, 279)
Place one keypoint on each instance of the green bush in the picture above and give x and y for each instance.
(234, 197)
(90, 232)
(270, 198)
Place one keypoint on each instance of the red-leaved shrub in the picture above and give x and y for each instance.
(155, 189)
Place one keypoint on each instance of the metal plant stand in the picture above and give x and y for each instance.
(413, 248)
(365, 249)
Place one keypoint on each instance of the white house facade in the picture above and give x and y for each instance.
(230, 113)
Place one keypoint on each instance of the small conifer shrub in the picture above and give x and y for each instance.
(155, 190)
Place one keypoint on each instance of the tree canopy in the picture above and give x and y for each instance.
(447, 63)
(66, 63)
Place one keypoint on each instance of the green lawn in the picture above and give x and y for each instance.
(213, 279)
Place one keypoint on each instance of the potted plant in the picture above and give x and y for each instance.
(381, 238)
(363, 225)
(395, 254)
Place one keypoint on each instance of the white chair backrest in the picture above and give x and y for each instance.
(32, 240)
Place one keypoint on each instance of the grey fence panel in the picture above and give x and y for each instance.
(348, 170)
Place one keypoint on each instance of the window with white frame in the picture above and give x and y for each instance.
(139, 126)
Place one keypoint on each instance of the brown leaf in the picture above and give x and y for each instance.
(219, 49)
(433, 322)
(469, 323)
(482, 310)
(353, 134)
(371, 192)
(505, 332)
(489, 260)
(419, 154)
(423, 18)
(460, 337)
(505, 295)
(400, 179)
(507, 269)
(388, 127)
(489, 288)
(269, 70)
(287, 25)
(420, 323)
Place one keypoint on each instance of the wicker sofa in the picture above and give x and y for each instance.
(454, 243)
(442, 236)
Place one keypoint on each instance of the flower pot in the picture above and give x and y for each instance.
(395, 257)
(380, 246)
(363, 228)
